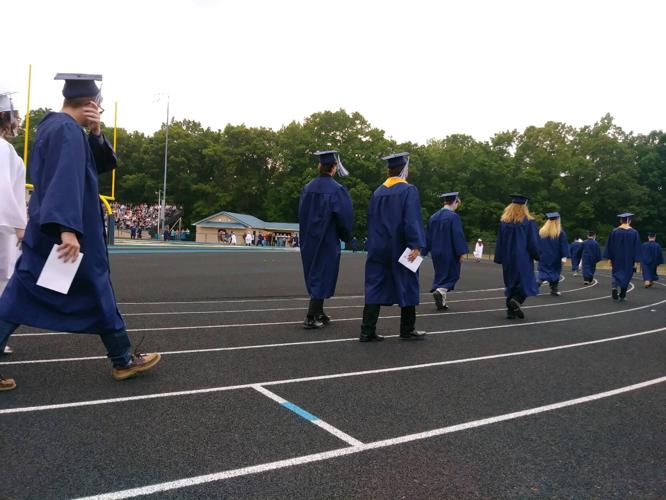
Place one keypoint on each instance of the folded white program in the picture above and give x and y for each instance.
(412, 266)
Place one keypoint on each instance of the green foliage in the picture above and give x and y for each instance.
(588, 174)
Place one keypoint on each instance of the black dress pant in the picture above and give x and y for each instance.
(371, 315)
(316, 308)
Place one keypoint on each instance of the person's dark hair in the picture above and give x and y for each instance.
(394, 172)
(8, 125)
(326, 168)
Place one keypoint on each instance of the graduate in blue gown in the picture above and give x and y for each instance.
(590, 254)
(575, 249)
(516, 249)
(553, 251)
(394, 223)
(325, 217)
(65, 210)
(446, 243)
(651, 257)
(623, 249)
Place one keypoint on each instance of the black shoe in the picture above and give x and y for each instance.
(439, 300)
(312, 324)
(413, 335)
(514, 305)
(323, 318)
(623, 294)
(615, 294)
(585, 283)
(555, 293)
(370, 338)
(510, 314)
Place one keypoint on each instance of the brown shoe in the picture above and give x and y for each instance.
(7, 384)
(139, 363)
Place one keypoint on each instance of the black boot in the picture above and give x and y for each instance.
(623, 294)
(514, 306)
(369, 324)
(614, 294)
(312, 321)
(319, 314)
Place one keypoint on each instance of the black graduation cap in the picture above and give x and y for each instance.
(625, 215)
(327, 157)
(518, 198)
(396, 160)
(553, 215)
(591, 233)
(652, 235)
(330, 157)
(79, 85)
(449, 197)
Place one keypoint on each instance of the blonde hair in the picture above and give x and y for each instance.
(515, 213)
(551, 229)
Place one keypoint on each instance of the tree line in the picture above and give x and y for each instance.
(588, 174)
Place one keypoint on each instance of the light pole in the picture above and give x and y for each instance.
(166, 153)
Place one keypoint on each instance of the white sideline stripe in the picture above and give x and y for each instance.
(340, 452)
(329, 341)
(76, 404)
(277, 309)
(318, 422)
(279, 323)
(270, 299)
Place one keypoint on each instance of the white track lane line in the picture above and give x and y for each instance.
(328, 341)
(276, 299)
(175, 313)
(209, 390)
(308, 416)
(278, 323)
(385, 443)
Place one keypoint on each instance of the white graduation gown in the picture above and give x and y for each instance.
(478, 251)
(12, 208)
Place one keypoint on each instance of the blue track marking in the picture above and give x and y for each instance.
(299, 411)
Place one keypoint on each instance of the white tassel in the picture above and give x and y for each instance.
(342, 171)
(405, 170)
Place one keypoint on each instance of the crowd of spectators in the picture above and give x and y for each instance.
(140, 216)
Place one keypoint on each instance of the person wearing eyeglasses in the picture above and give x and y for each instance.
(65, 211)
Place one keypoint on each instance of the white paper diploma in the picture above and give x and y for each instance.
(412, 266)
(57, 274)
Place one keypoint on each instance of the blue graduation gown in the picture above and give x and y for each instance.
(590, 255)
(445, 241)
(576, 249)
(325, 217)
(551, 253)
(64, 164)
(623, 248)
(516, 248)
(651, 257)
(394, 223)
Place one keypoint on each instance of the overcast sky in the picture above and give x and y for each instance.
(416, 69)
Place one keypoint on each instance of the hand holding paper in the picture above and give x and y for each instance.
(412, 265)
(58, 274)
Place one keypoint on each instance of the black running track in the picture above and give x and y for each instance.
(569, 402)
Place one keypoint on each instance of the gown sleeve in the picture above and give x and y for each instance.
(498, 246)
(343, 214)
(12, 208)
(533, 240)
(62, 183)
(412, 222)
(459, 241)
(103, 153)
(564, 245)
